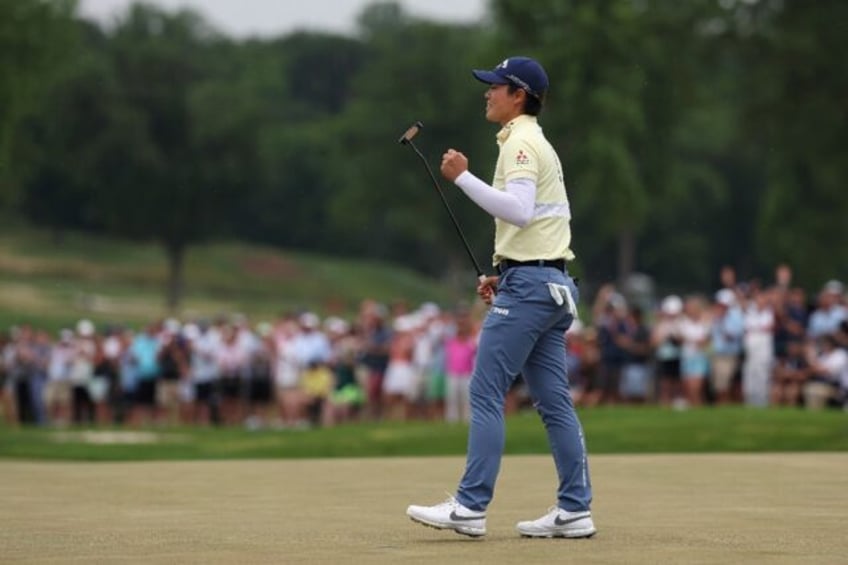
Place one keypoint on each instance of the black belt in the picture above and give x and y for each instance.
(505, 264)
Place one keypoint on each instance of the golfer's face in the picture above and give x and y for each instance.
(500, 104)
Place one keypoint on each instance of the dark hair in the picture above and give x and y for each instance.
(532, 105)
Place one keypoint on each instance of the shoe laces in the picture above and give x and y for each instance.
(451, 501)
(553, 512)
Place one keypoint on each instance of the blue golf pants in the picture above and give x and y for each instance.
(524, 333)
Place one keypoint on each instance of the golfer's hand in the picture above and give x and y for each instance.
(454, 164)
(487, 289)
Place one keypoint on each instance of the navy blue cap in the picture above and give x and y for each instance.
(523, 72)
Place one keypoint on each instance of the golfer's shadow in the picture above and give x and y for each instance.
(460, 539)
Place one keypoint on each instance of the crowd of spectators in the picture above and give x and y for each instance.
(746, 343)
(298, 371)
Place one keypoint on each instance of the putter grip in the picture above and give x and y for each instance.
(410, 133)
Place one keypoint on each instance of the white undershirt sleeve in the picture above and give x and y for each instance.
(514, 205)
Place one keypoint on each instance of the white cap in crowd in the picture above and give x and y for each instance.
(617, 301)
(264, 329)
(191, 331)
(672, 305)
(725, 297)
(85, 328)
(171, 326)
(309, 320)
(429, 310)
(405, 323)
(834, 287)
(336, 325)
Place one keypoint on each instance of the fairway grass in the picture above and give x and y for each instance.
(608, 430)
(707, 508)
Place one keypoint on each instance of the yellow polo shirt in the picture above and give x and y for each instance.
(526, 154)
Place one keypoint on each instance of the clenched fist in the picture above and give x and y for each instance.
(454, 164)
(487, 288)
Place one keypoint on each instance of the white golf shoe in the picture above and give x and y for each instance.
(559, 523)
(450, 515)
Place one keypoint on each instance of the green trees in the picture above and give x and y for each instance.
(623, 84)
(133, 142)
(693, 129)
(35, 37)
(796, 117)
(693, 134)
(384, 202)
(301, 85)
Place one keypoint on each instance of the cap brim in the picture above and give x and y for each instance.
(489, 77)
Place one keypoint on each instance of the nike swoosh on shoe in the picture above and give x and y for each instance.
(560, 522)
(457, 518)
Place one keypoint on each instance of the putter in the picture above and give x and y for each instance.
(406, 139)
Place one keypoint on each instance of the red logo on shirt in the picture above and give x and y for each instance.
(522, 158)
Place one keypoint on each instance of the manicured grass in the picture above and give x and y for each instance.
(608, 430)
(53, 283)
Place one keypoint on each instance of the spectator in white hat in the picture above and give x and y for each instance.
(666, 341)
(728, 329)
(286, 369)
(57, 394)
(830, 313)
(82, 372)
(205, 371)
(694, 362)
(312, 345)
(402, 384)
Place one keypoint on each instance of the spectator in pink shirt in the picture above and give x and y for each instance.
(460, 350)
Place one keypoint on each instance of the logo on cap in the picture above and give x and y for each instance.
(524, 72)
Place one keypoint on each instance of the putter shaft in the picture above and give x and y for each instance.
(406, 139)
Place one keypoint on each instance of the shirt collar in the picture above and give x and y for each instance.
(515, 123)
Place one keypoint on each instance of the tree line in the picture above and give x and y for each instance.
(693, 134)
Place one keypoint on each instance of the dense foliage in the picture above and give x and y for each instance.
(694, 134)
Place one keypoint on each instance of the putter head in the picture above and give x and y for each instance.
(410, 133)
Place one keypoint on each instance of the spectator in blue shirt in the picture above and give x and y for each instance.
(143, 353)
(728, 329)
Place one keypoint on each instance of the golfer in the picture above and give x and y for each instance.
(532, 305)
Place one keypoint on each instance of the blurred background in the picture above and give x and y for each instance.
(694, 135)
(198, 159)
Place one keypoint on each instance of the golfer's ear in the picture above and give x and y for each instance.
(521, 96)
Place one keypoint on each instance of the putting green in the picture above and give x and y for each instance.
(773, 508)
